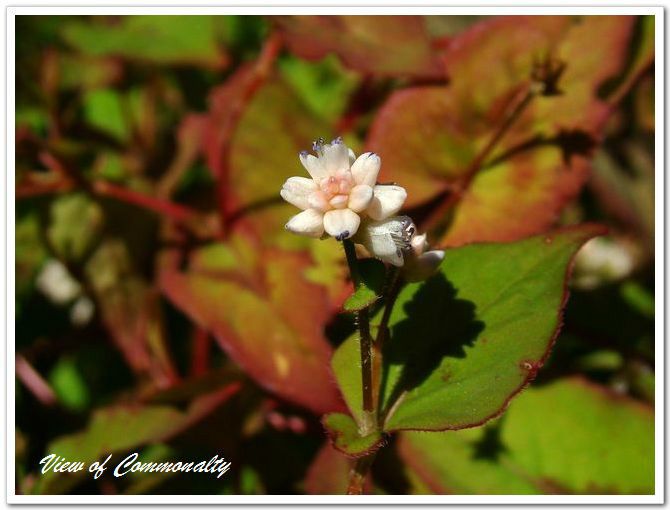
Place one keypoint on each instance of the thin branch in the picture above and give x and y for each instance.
(176, 212)
(34, 382)
(369, 412)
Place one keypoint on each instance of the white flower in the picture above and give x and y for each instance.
(388, 240)
(55, 282)
(342, 189)
(601, 261)
(394, 240)
(421, 263)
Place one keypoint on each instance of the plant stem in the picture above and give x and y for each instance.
(369, 423)
(352, 260)
(358, 474)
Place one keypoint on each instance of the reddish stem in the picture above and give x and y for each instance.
(34, 382)
(163, 207)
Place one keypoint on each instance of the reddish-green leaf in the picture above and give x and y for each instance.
(329, 472)
(264, 314)
(429, 138)
(385, 45)
(264, 149)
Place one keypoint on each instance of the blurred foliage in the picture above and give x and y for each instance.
(149, 155)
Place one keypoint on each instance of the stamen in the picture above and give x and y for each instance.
(342, 236)
(337, 140)
(317, 146)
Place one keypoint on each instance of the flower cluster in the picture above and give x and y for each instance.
(341, 190)
(342, 199)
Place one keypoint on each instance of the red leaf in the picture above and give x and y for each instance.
(263, 312)
(431, 139)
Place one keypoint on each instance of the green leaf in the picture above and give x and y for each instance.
(75, 226)
(373, 273)
(466, 341)
(568, 436)
(69, 385)
(346, 437)
(325, 86)
(173, 40)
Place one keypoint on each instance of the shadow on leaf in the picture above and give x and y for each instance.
(490, 445)
(437, 325)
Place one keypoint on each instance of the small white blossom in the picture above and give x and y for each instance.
(388, 240)
(601, 261)
(421, 263)
(394, 240)
(342, 190)
(55, 282)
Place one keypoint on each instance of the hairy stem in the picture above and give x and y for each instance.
(358, 474)
(369, 413)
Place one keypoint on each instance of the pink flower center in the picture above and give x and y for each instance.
(336, 188)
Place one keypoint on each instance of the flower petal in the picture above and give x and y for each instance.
(318, 200)
(296, 191)
(341, 223)
(387, 201)
(307, 223)
(422, 267)
(360, 197)
(352, 157)
(387, 240)
(313, 165)
(419, 244)
(335, 157)
(366, 169)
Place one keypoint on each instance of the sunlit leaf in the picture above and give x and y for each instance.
(470, 338)
(429, 137)
(569, 436)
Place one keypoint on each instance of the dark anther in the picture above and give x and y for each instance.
(342, 236)
(304, 153)
(337, 140)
